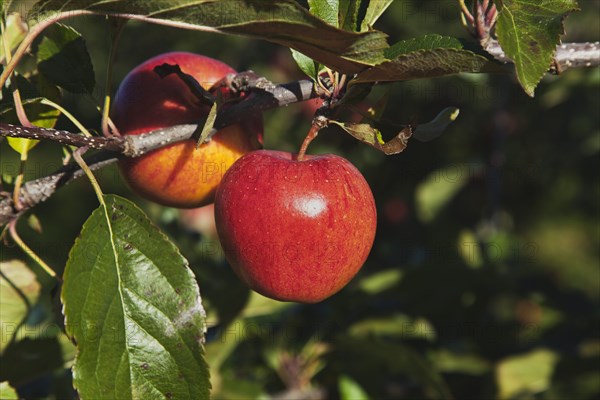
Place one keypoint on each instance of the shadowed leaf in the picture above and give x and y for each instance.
(280, 21)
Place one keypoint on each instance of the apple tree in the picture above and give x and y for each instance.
(109, 292)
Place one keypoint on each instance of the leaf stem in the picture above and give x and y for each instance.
(12, 229)
(67, 114)
(82, 164)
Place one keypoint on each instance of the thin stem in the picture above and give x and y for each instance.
(19, 181)
(312, 134)
(82, 164)
(12, 229)
(21, 114)
(317, 124)
(465, 11)
(67, 114)
(116, 29)
(485, 6)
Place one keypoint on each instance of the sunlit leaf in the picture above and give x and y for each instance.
(32, 93)
(350, 389)
(348, 14)
(380, 281)
(526, 374)
(327, 10)
(529, 32)
(439, 188)
(19, 291)
(375, 9)
(208, 125)
(306, 64)
(133, 307)
(15, 30)
(370, 135)
(7, 392)
(399, 325)
(464, 363)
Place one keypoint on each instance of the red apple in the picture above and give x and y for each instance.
(295, 230)
(179, 175)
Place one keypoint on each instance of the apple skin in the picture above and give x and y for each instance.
(178, 175)
(295, 230)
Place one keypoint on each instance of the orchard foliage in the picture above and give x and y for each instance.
(130, 302)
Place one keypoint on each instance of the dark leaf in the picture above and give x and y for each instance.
(426, 57)
(434, 128)
(63, 58)
(283, 22)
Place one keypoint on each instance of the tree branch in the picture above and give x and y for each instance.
(264, 95)
(568, 55)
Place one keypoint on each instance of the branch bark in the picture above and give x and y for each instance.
(568, 55)
(265, 95)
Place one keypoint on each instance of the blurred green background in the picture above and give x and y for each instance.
(484, 279)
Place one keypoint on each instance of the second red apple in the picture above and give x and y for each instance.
(295, 230)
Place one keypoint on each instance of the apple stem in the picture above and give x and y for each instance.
(317, 124)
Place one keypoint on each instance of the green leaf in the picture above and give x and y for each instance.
(426, 57)
(34, 223)
(459, 362)
(283, 22)
(400, 325)
(434, 128)
(19, 290)
(63, 58)
(526, 374)
(39, 115)
(427, 42)
(438, 189)
(208, 125)
(528, 32)
(15, 30)
(133, 307)
(381, 281)
(327, 10)
(375, 9)
(306, 64)
(7, 392)
(370, 135)
(350, 389)
(348, 14)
